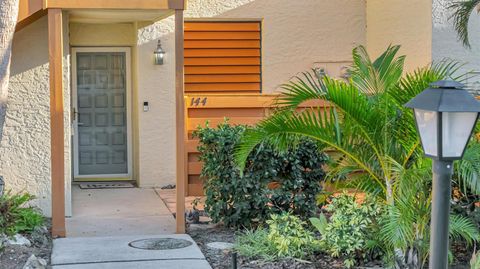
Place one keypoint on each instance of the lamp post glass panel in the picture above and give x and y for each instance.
(445, 115)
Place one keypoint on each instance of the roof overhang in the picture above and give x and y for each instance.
(117, 16)
(100, 11)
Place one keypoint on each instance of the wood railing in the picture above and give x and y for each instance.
(239, 109)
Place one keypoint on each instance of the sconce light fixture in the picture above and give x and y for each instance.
(159, 54)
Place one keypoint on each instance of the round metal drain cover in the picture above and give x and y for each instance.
(160, 243)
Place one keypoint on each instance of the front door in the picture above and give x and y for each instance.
(101, 119)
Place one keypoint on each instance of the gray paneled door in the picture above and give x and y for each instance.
(101, 105)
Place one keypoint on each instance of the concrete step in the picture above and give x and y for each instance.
(115, 252)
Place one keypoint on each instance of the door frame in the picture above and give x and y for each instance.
(128, 89)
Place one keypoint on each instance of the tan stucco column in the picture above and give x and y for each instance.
(55, 56)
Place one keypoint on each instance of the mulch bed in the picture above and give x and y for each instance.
(223, 259)
(14, 257)
(219, 259)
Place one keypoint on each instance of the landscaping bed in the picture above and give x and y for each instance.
(222, 259)
(16, 256)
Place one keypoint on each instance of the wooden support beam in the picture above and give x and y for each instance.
(55, 56)
(180, 123)
(108, 4)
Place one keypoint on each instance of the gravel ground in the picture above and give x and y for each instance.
(14, 257)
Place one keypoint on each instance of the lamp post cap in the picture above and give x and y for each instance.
(445, 96)
(447, 84)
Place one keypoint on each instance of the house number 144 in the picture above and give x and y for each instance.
(198, 101)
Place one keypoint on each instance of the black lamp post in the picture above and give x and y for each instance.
(445, 115)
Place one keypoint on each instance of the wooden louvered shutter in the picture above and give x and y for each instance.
(222, 57)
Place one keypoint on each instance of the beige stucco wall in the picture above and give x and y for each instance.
(401, 22)
(25, 147)
(118, 34)
(446, 45)
(296, 36)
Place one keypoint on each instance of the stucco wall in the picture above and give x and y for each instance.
(401, 22)
(25, 147)
(119, 34)
(447, 46)
(296, 36)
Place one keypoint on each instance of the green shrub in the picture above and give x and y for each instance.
(286, 237)
(352, 229)
(290, 238)
(255, 244)
(239, 197)
(16, 216)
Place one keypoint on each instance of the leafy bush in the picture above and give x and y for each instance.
(239, 197)
(15, 216)
(255, 244)
(286, 237)
(351, 231)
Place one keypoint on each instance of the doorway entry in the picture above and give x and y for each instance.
(101, 86)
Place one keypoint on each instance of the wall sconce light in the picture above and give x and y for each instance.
(159, 54)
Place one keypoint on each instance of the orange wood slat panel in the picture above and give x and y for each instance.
(213, 122)
(221, 78)
(222, 87)
(222, 36)
(231, 101)
(222, 52)
(195, 190)
(192, 146)
(193, 156)
(222, 26)
(216, 61)
(239, 108)
(227, 112)
(194, 168)
(197, 70)
(195, 179)
(211, 44)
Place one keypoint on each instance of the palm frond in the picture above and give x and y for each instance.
(462, 10)
(396, 229)
(467, 170)
(384, 72)
(318, 124)
(300, 89)
(463, 228)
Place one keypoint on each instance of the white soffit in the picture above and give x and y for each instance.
(117, 16)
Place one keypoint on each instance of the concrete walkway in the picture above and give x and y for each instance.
(115, 252)
(118, 212)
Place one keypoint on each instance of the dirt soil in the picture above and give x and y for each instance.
(219, 259)
(14, 257)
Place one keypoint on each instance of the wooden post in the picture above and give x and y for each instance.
(180, 123)
(55, 56)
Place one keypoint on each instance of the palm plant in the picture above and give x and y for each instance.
(367, 125)
(461, 17)
(374, 139)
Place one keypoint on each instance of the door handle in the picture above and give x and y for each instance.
(80, 123)
(74, 114)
